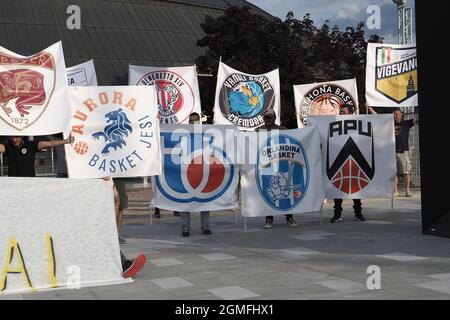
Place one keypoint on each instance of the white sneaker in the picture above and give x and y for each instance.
(291, 223)
(409, 194)
(396, 195)
(268, 224)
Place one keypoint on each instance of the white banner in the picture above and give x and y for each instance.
(199, 171)
(116, 132)
(177, 89)
(63, 235)
(281, 172)
(324, 98)
(391, 75)
(242, 99)
(82, 74)
(33, 93)
(358, 155)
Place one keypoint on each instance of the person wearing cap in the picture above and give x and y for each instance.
(269, 118)
(21, 154)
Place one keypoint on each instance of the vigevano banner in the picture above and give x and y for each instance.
(199, 168)
(177, 90)
(281, 172)
(324, 98)
(116, 132)
(391, 75)
(82, 74)
(33, 93)
(64, 235)
(358, 155)
(241, 98)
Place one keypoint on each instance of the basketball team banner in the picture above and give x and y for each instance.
(199, 168)
(68, 243)
(324, 98)
(82, 74)
(391, 75)
(358, 155)
(116, 132)
(242, 99)
(33, 93)
(177, 89)
(281, 172)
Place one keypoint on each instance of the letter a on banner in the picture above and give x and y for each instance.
(33, 93)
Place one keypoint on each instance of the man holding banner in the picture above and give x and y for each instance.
(269, 124)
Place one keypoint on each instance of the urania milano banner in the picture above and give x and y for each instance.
(324, 98)
(82, 74)
(199, 170)
(33, 92)
(70, 242)
(391, 75)
(177, 90)
(281, 172)
(116, 132)
(242, 99)
(358, 155)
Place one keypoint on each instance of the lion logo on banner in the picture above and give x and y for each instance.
(115, 132)
(26, 86)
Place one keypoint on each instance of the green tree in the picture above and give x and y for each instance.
(303, 53)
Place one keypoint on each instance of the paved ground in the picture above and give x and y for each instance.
(314, 261)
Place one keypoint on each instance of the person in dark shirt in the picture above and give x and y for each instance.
(269, 124)
(402, 128)
(21, 154)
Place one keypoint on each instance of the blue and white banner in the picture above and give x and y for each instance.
(358, 155)
(199, 171)
(281, 172)
(116, 132)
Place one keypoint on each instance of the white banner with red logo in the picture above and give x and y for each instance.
(281, 172)
(358, 155)
(63, 236)
(82, 74)
(391, 75)
(199, 168)
(324, 98)
(116, 132)
(242, 98)
(33, 93)
(177, 90)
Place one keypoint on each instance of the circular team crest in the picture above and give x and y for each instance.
(175, 96)
(202, 176)
(243, 99)
(282, 172)
(325, 99)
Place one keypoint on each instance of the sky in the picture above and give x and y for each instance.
(342, 13)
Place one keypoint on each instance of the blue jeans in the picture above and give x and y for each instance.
(186, 220)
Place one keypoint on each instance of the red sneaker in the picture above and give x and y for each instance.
(134, 266)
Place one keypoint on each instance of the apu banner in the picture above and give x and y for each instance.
(358, 155)
(116, 132)
(281, 172)
(199, 171)
(70, 242)
(391, 75)
(82, 74)
(33, 93)
(242, 99)
(177, 89)
(324, 98)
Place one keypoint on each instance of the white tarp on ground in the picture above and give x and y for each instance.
(57, 233)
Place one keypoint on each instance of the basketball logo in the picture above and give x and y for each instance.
(350, 179)
(81, 148)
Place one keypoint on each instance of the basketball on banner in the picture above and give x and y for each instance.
(282, 173)
(202, 175)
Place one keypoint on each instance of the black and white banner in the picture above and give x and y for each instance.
(358, 155)
(82, 74)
